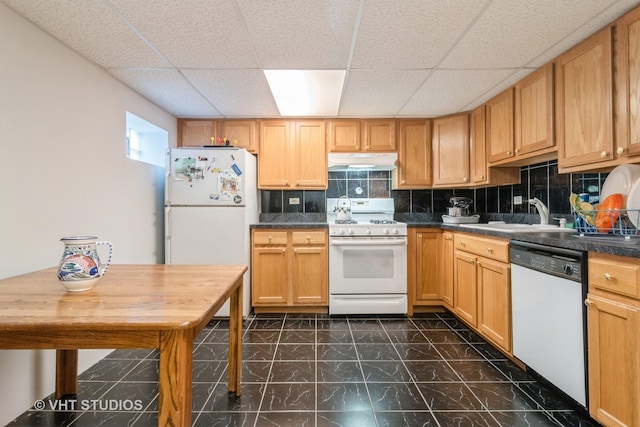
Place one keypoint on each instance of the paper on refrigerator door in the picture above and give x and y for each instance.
(190, 168)
(229, 185)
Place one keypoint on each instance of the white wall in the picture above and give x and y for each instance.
(64, 172)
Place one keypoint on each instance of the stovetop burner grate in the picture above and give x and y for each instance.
(346, 221)
(383, 221)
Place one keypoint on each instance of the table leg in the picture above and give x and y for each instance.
(235, 340)
(66, 372)
(176, 358)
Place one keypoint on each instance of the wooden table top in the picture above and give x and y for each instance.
(141, 297)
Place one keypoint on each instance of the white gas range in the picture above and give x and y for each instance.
(367, 259)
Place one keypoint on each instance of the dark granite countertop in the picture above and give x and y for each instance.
(613, 245)
(291, 220)
(605, 244)
(285, 225)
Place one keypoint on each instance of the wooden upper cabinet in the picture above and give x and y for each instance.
(480, 172)
(499, 126)
(292, 155)
(242, 133)
(628, 85)
(584, 104)
(414, 154)
(344, 135)
(310, 155)
(450, 147)
(196, 133)
(534, 127)
(275, 159)
(379, 135)
(478, 147)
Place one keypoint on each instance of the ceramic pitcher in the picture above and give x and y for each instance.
(80, 261)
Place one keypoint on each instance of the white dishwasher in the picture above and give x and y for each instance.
(548, 288)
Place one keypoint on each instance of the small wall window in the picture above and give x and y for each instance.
(146, 142)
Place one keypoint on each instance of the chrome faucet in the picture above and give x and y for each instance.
(542, 210)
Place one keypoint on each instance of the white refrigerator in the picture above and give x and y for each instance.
(211, 200)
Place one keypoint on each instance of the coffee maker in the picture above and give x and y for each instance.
(459, 212)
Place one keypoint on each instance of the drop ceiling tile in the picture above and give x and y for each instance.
(168, 89)
(363, 96)
(450, 91)
(92, 29)
(235, 93)
(601, 19)
(410, 33)
(294, 34)
(511, 33)
(193, 33)
(510, 80)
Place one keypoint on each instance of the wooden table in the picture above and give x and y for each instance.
(132, 306)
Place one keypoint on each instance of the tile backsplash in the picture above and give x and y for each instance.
(541, 180)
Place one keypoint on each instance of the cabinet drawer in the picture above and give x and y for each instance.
(269, 237)
(614, 274)
(308, 237)
(488, 248)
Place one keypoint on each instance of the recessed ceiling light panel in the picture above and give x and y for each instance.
(306, 92)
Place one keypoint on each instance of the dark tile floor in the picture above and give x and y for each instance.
(313, 370)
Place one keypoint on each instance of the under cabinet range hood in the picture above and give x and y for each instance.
(362, 161)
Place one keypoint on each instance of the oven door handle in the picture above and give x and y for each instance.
(369, 242)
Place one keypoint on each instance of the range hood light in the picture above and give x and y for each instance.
(371, 166)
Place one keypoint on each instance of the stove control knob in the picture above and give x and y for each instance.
(342, 231)
(385, 231)
(395, 231)
(368, 231)
(351, 231)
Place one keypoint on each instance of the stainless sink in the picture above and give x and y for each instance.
(519, 228)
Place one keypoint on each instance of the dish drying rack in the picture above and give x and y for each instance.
(624, 222)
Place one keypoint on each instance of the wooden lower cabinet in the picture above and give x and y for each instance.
(614, 352)
(465, 288)
(613, 322)
(423, 267)
(494, 302)
(289, 270)
(446, 273)
(482, 287)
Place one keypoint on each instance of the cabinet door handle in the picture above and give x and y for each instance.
(448, 238)
(471, 261)
(620, 151)
(462, 244)
(608, 276)
(465, 179)
(587, 302)
(269, 239)
(482, 177)
(419, 235)
(517, 150)
(603, 154)
(283, 250)
(308, 238)
(478, 263)
(508, 153)
(490, 250)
